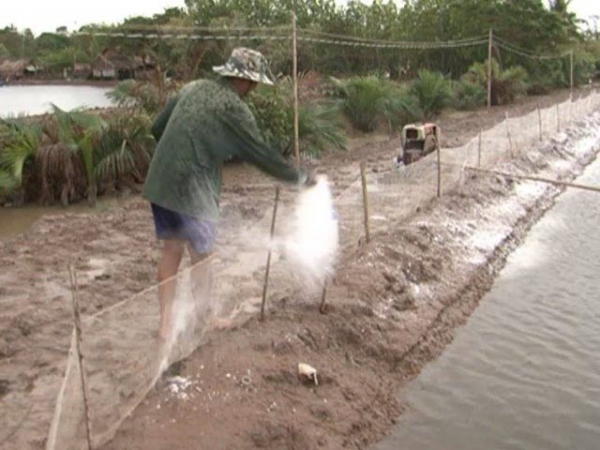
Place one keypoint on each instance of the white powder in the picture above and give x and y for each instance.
(311, 246)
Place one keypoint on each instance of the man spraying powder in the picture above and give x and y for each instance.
(206, 124)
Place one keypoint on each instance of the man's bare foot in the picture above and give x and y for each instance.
(220, 324)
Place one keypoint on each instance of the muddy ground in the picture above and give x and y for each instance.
(392, 305)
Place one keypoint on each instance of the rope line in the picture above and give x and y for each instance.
(525, 53)
(387, 41)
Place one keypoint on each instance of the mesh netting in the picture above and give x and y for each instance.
(122, 358)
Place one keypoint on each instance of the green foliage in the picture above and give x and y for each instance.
(362, 100)
(4, 53)
(432, 91)
(124, 149)
(468, 95)
(370, 101)
(21, 149)
(399, 108)
(507, 84)
(319, 127)
(149, 97)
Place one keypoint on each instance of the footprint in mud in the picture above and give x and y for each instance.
(4, 387)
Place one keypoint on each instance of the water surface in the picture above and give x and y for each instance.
(524, 373)
(29, 100)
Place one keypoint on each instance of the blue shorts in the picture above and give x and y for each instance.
(201, 234)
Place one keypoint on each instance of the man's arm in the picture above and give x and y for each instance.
(160, 123)
(247, 143)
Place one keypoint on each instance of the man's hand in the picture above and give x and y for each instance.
(310, 178)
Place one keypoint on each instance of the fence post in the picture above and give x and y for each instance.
(540, 121)
(479, 149)
(80, 358)
(572, 70)
(509, 138)
(363, 177)
(570, 107)
(268, 269)
(490, 48)
(439, 169)
(295, 82)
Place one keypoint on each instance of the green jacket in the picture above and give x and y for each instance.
(206, 124)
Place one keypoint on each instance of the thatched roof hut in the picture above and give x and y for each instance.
(17, 68)
(111, 64)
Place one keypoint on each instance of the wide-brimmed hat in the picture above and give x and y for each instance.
(247, 64)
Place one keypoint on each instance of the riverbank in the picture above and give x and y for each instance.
(63, 82)
(393, 307)
(417, 278)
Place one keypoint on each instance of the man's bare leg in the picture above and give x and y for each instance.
(201, 287)
(167, 268)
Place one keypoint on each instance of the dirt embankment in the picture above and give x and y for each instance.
(392, 303)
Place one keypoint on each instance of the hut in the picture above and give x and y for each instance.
(15, 69)
(81, 70)
(111, 64)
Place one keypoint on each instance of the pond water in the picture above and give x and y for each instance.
(28, 100)
(524, 373)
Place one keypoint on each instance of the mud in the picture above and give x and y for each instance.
(391, 307)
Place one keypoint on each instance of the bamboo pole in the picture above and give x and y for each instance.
(479, 149)
(540, 121)
(570, 107)
(490, 48)
(572, 70)
(584, 187)
(80, 358)
(295, 82)
(323, 306)
(268, 269)
(439, 168)
(363, 177)
(509, 138)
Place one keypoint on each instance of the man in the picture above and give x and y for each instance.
(206, 124)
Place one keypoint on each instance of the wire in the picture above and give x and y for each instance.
(379, 41)
(397, 45)
(525, 53)
(194, 37)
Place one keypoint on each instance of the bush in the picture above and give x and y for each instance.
(320, 128)
(362, 100)
(65, 155)
(432, 91)
(507, 84)
(468, 95)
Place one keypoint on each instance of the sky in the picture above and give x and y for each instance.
(47, 15)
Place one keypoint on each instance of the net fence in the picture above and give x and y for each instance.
(123, 357)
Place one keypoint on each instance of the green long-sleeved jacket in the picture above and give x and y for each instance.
(206, 124)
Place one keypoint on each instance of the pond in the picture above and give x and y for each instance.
(31, 100)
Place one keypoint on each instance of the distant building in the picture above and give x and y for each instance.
(82, 70)
(15, 69)
(111, 65)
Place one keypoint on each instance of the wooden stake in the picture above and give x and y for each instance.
(570, 106)
(572, 71)
(490, 47)
(78, 342)
(439, 169)
(540, 121)
(509, 138)
(322, 306)
(295, 82)
(363, 176)
(479, 149)
(268, 269)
